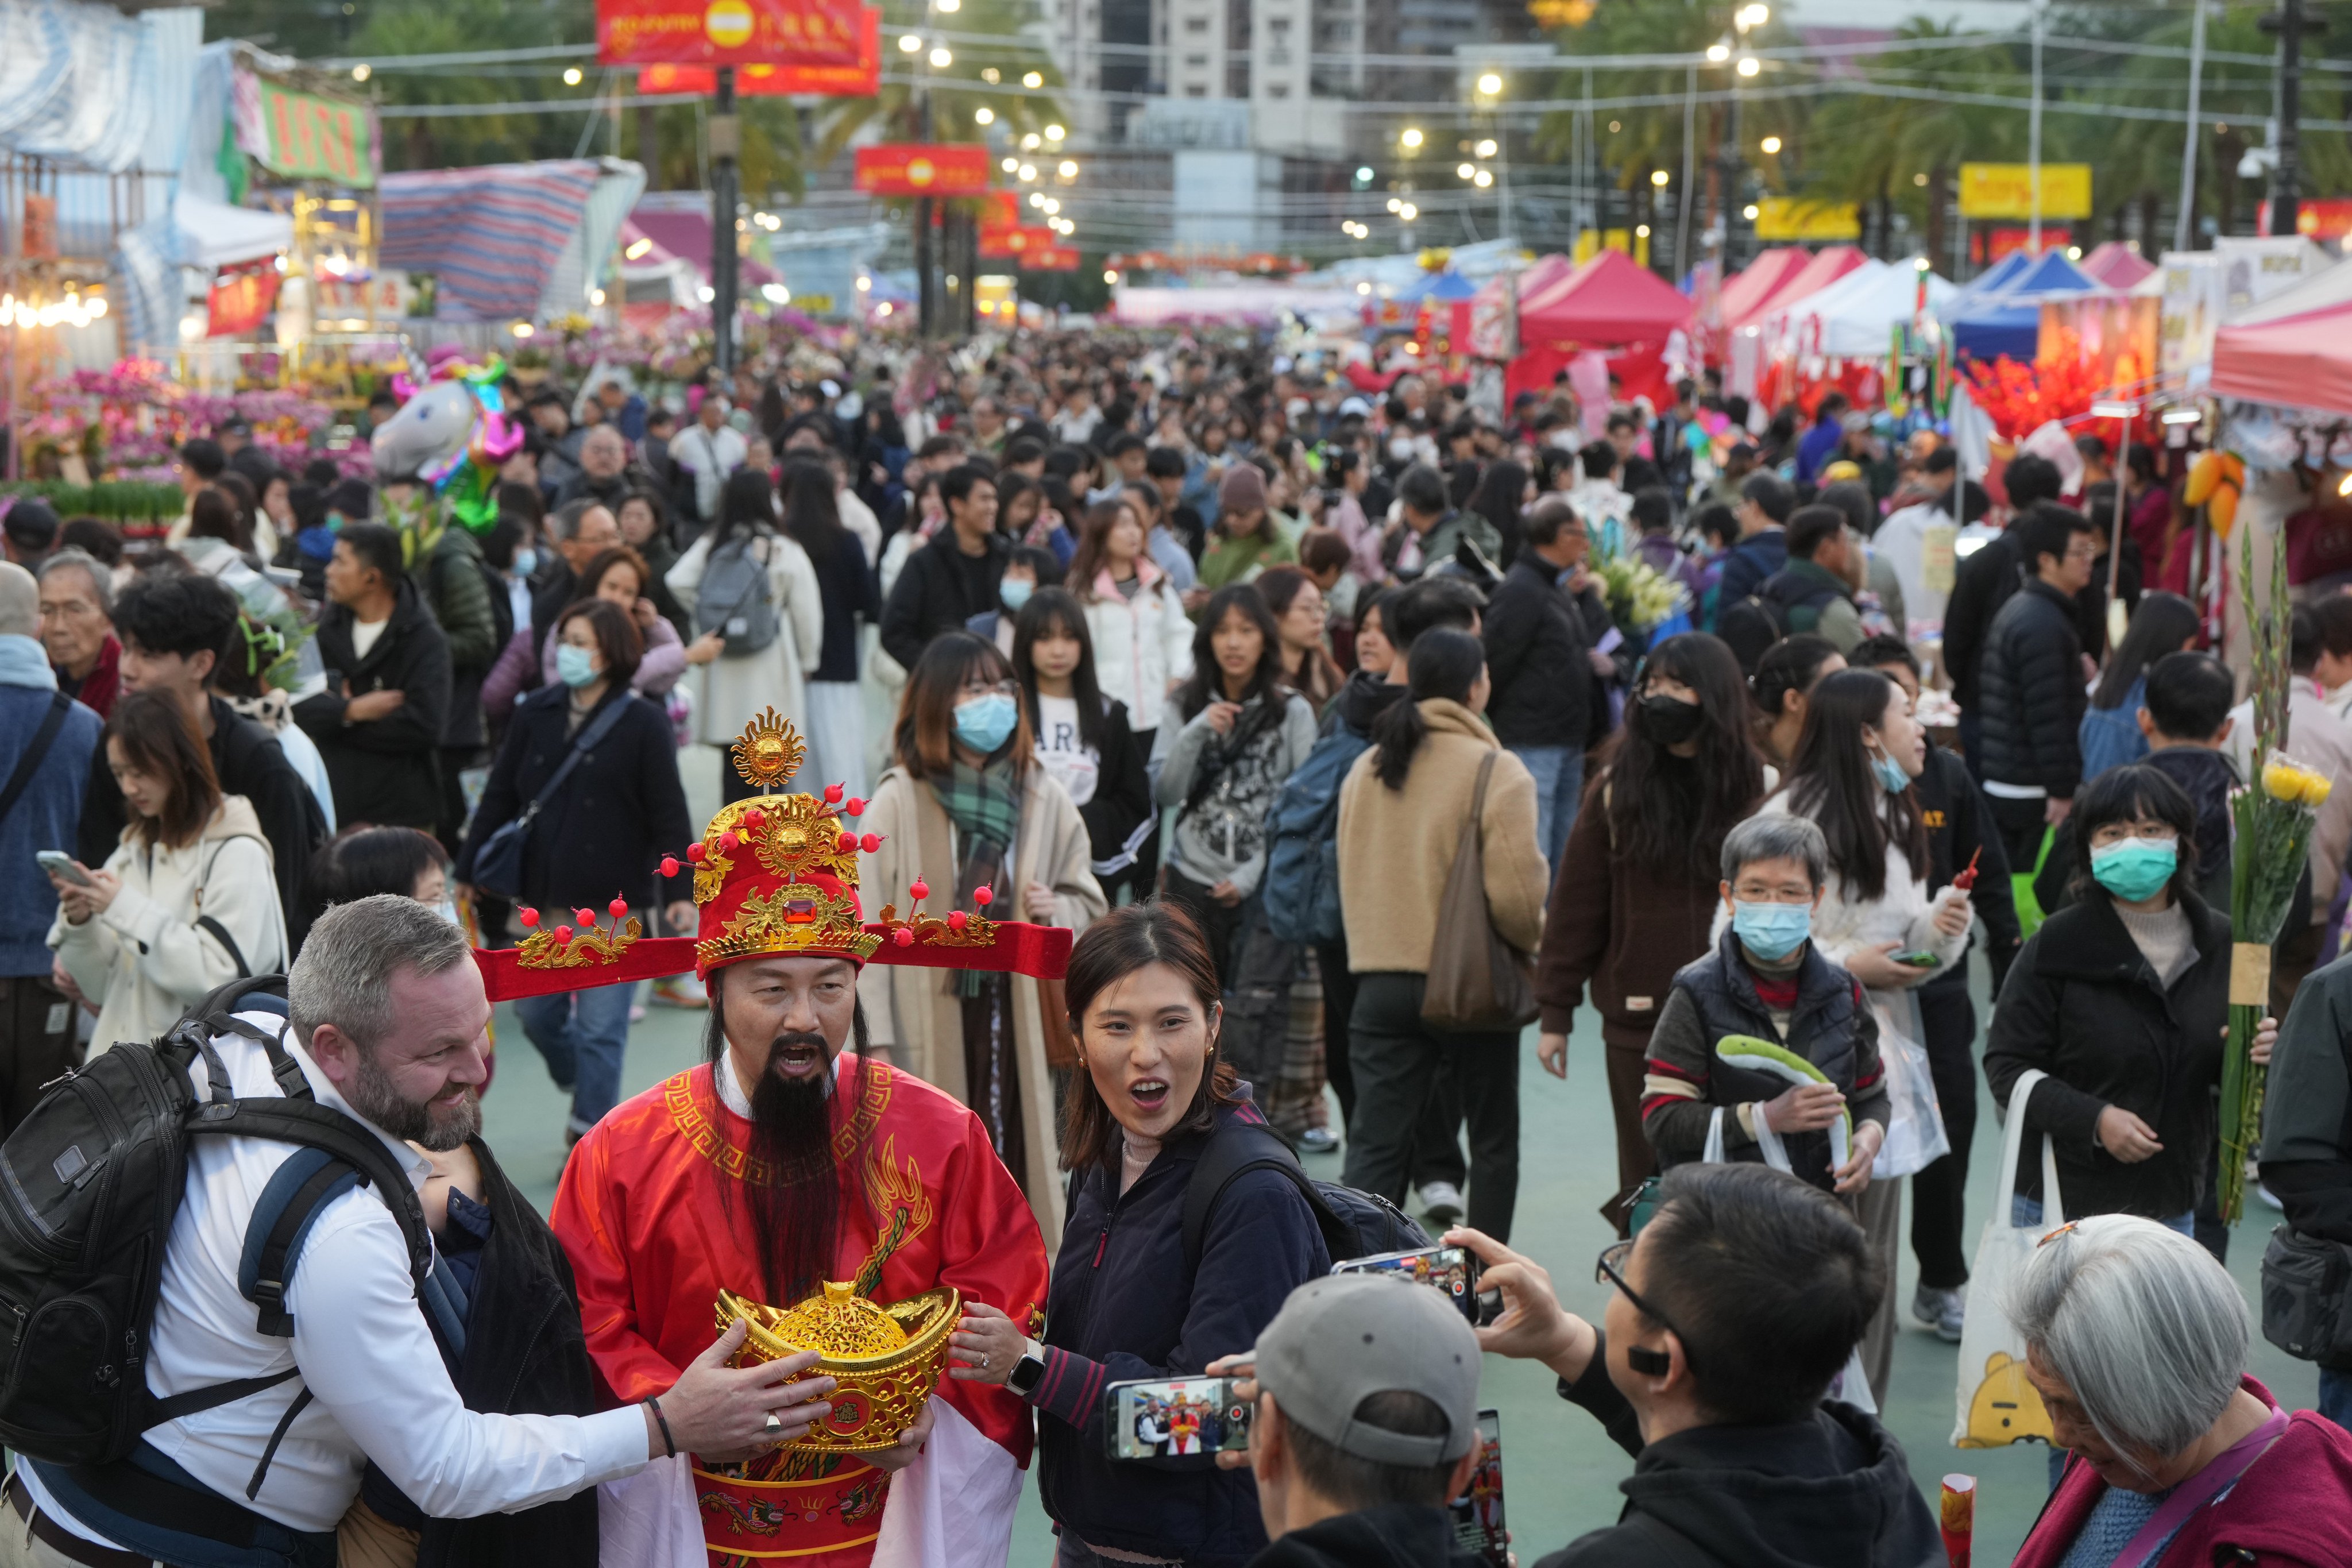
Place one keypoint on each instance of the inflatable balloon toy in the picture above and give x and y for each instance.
(451, 435)
(1764, 1057)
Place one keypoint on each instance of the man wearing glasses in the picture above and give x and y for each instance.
(1728, 1316)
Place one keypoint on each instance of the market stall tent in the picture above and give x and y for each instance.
(2008, 321)
(2115, 264)
(1610, 303)
(2304, 361)
(1820, 271)
(1762, 277)
(1854, 317)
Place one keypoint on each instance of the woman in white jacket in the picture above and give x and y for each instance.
(1143, 640)
(1852, 774)
(187, 902)
(736, 687)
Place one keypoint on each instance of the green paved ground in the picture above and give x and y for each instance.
(1561, 1475)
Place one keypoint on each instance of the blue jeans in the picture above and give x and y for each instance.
(2336, 1396)
(2025, 1210)
(1559, 786)
(581, 1035)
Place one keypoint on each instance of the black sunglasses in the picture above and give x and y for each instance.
(1608, 1269)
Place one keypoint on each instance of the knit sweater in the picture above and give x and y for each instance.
(1397, 846)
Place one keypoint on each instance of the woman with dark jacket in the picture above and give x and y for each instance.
(1646, 848)
(596, 838)
(1084, 741)
(2122, 997)
(1128, 1301)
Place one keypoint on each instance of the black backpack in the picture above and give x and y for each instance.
(1751, 625)
(1354, 1223)
(93, 1178)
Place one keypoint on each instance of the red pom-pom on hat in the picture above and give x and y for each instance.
(755, 817)
(728, 840)
(833, 795)
(848, 842)
(854, 806)
(618, 908)
(528, 917)
(669, 866)
(870, 843)
(918, 889)
(586, 917)
(983, 897)
(695, 852)
(956, 920)
(562, 934)
(903, 937)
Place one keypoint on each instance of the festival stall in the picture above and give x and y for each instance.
(2306, 356)
(1611, 307)
(1743, 348)
(2006, 321)
(2115, 264)
(1851, 335)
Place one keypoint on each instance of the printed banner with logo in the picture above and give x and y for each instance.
(1020, 241)
(2006, 190)
(923, 169)
(863, 79)
(730, 32)
(1794, 218)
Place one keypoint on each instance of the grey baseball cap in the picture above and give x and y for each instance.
(1342, 1338)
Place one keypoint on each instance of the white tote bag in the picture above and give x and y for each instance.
(1996, 1406)
(1851, 1386)
(1915, 1122)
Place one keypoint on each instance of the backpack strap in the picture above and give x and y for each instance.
(307, 1182)
(1233, 1149)
(29, 763)
(229, 943)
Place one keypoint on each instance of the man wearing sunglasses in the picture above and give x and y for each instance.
(1727, 1318)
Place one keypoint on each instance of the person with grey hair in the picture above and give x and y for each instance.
(1767, 980)
(77, 607)
(383, 1020)
(2136, 1341)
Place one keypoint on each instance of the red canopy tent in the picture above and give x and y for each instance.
(2303, 361)
(2117, 265)
(1747, 290)
(1815, 273)
(1610, 302)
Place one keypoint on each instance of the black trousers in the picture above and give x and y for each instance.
(1938, 1193)
(1397, 1063)
(36, 1043)
(2020, 823)
(1437, 1145)
(1221, 924)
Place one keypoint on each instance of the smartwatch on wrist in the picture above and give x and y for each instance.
(1025, 1372)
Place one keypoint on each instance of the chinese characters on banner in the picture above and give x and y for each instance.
(304, 136)
(730, 33)
(2006, 190)
(863, 79)
(241, 300)
(1050, 259)
(923, 169)
(1022, 241)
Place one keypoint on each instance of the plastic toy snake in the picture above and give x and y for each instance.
(1763, 1055)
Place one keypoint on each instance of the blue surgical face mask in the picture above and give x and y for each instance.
(526, 561)
(448, 909)
(986, 722)
(575, 665)
(1890, 775)
(1772, 932)
(2135, 869)
(1015, 591)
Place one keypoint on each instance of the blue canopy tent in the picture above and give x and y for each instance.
(2008, 320)
(1976, 290)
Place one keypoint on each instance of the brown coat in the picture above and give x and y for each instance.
(1397, 846)
(915, 1012)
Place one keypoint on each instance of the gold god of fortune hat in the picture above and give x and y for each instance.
(775, 875)
(885, 1360)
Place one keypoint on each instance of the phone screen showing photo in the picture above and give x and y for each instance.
(1177, 1418)
(1450, 1269)
(1477, 1513)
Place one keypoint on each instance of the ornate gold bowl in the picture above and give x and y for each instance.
(885, 1360)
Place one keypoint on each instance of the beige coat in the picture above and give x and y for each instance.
(915, 1011)
(730, 692)
(144, 958)
(1397, 846)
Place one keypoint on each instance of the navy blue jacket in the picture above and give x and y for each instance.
(1748, 563)
(1123, 1307)
(44, 818)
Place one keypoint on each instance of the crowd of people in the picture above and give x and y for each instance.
(1278, 698)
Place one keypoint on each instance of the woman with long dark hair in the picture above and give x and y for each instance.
(1500, 498)
(1403, 810)
(1308, 666)
(1647, 852)
(1244, 731)
(1783, 686)
(744, 679)
(836, 707)
(1135, 614)
(1153, 1092)
(966, 790)
(1084, 740)
(2110, 735)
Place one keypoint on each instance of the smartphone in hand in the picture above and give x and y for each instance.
(1477, 1513)
(1451, 1269)
(58, 863)
(1177, 1423)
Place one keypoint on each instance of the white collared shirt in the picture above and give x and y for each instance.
(379, 1389)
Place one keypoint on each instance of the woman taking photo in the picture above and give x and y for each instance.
(837, 726)
(741, 683)
(1135, 617)
(1852, 776)
(1243, 733)
(1648, 846)
(1084, 742)
(1127, 1302)
(187, 902)
(1308, 666)
(1783, 684)
(1402, 811)
(598, 836)
(619, 576)
(2122, 998)
(966, 790)
(2110, 736)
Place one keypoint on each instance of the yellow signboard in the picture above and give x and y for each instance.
(2006, 190)
(1793, 218)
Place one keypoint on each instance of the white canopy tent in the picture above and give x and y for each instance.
(1854, 317)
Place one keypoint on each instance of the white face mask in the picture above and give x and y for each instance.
(1401, 448)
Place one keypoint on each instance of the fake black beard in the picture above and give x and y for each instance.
(795, 1212)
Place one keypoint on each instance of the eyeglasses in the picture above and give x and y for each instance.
(1609, 1270)
(992, 689)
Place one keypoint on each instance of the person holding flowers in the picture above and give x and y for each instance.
(2121, 999)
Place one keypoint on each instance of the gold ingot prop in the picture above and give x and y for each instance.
(885, 1360)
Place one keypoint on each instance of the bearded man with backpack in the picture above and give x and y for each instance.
(256, 1330)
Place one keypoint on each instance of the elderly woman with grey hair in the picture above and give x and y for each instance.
(2136, 1341)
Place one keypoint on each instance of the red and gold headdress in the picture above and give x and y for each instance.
(774, 875)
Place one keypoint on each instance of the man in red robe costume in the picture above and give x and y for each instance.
(721, 1179)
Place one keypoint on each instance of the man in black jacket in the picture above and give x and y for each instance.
(1728, 1317)
(1542, 705)
(379, 722)
(1981, 584)
(2307, 1135)
(2031, 686)
(956, 576)
(174, 627)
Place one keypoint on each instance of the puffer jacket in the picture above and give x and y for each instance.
(2030, 689)
(1141, 644)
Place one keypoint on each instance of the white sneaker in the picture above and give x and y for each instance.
(1442, 1200)
(681, 991)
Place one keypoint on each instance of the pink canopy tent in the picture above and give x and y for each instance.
(1818, 271)
(1610, 302)
(1533, 280)
(1750, 289)
(2115, 264)
(2304, 362)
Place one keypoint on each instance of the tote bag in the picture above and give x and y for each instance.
(1915, 1138)
(1478, 984)
(1996, 1406)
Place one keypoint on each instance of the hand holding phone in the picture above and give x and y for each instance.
(1176, 1423)
(1451, 1269)
(59, 864)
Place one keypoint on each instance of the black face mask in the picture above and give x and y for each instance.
(1670, 720)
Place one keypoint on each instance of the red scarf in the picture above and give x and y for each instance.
(104, 682)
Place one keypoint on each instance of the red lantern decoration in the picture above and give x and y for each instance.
(618, 907)
(854, 806)
(918, 889)
(528, 917)
(870, 843)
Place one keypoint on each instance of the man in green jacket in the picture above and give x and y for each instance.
(454, 580)
(1811, 590)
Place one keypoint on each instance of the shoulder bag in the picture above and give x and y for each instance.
(498, 866)
(1478, 984)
